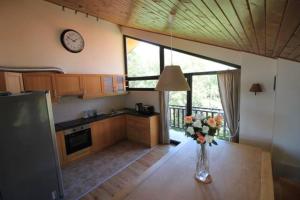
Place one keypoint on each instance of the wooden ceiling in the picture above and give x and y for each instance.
(265, 27)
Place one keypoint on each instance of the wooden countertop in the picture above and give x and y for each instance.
(238, 172)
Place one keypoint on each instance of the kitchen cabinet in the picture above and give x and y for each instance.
(119, 128)
(119, 84)
(107, 84)
(11, 82)
(144, 130)
(68, 84)
(91, 85)
(37, 81)
(108, 132)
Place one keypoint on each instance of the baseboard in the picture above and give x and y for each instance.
(287, 171)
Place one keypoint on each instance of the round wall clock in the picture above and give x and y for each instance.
(72, 40)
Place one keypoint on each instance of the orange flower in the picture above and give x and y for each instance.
(201, 138)
(188, 119)
(219, 119)
(211, 122)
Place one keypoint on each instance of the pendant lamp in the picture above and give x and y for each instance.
(172, 78)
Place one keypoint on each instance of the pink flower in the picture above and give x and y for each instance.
(211, 122)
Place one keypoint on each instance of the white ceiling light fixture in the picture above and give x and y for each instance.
(172, 78)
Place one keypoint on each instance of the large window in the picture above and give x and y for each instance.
(145, 61)
(193, 64)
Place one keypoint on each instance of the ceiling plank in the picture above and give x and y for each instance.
(264, 27)
(258, 9)
(292, 48)
(275, 10)
(199, 5)
(231, 15)
(196, 15)
(244, 14)
(218, 12)
(289, 25)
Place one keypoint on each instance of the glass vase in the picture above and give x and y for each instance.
(202, 167)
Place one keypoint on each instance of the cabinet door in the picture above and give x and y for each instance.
(97, 136)
(118, 128)
(11, 82)
(119, 84)
(107, 84)
(68, 84)
(138, 129)
(40, 82)
(91, 86)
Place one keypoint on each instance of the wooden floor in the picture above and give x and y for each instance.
(109, 188)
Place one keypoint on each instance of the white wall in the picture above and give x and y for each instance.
(256, 111)
(30, 37)
(286, 148)
(145, 97)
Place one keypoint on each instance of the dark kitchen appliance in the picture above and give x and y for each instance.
(148, 110)
(29, 166)
(77, 138)
(138, 107)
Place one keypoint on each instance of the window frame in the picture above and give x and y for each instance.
(162, 64)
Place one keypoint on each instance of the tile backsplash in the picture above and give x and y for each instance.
(70, 108)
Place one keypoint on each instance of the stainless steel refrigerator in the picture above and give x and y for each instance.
(29, 165)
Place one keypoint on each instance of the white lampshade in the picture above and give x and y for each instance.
(172, 79)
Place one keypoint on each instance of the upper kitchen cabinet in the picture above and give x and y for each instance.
(68, 85)
(107, 84)
(11, 82)
(91, 86)
(119, 84)
(40, 82)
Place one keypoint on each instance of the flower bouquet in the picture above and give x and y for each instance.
(203, 130)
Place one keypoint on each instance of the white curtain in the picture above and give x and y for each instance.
(229, 87)
(164, 137)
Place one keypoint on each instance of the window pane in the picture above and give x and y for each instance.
(206, 92)
(142, 58)
(143, 84)
(190, 64)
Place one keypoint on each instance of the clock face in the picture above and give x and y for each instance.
(72, 41)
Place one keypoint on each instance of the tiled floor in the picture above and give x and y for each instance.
(82, 176)
(109, 188)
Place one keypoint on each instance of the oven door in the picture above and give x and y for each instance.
(77, 141)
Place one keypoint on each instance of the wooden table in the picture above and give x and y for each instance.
(238, 171)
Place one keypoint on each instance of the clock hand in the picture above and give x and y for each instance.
(71, 39)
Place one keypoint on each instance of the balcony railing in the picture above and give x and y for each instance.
(177, 114)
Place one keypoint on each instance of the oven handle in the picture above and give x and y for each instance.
(76, 129)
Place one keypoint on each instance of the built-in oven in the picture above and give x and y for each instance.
(78, 138)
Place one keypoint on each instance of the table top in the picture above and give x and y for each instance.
(238, 172)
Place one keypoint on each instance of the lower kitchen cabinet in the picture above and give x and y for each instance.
(144, 130)
(107, 132)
